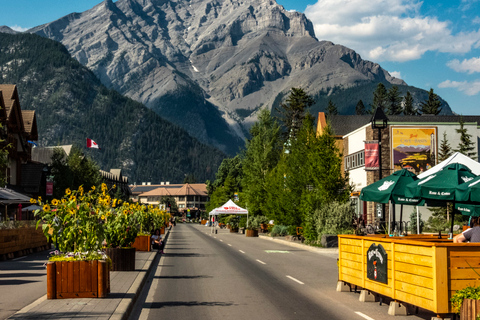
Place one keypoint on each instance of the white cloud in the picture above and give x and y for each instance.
(471, 65)
(391, 30)
(469, 88)
(476, 20)
(18, 28)
(396, 74)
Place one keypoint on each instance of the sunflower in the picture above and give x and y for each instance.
(102, 217)
(93, 188)
(68, 191)
(33, 200)
(46, 208)
(55, 202)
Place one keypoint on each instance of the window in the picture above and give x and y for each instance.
(355, 160)
(181, 198)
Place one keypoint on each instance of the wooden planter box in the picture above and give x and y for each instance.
(16, 241)
(77, 279)
(233, 230)
(422, 270)
(162, 230)
(470, 309)
(252, 233)
(142, 243)
(123, 259)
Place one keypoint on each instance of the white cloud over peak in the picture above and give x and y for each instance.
(469, 88)
(467, 65)
(386, 30)
(396, 74)
(18, 28)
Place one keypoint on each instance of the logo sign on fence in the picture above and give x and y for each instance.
(377, 263)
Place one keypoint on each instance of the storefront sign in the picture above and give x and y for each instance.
(377, 264)
(371, 155)
(49, 188)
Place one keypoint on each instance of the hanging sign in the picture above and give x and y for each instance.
(49, 188)
(371, 155)
(377, 263)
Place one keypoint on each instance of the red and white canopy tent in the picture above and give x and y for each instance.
(229, 208)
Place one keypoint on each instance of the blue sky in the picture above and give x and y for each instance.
(429, 44)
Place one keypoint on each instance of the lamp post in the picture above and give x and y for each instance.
(380, 121)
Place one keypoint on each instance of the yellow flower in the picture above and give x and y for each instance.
(39, 198)
(114, 204)
(104, 187)
(33, 200)
(93, 188)
(55, 202)
(102, 217)
(73, 198)
(68, 191)
(81, 190)
(46, 208)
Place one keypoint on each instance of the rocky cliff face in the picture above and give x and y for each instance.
(200, 62)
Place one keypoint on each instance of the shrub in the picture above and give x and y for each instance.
(334, 218)
(279, 230)
(413, 222)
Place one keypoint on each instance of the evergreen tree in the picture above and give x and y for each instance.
(380, 97)
(190, 178)
(394, 101)
(445, 150)
(293, 111)
(432, 105)
(331, 108)
(408, 108)
(360, 108)
(466, 145)
(262, 152)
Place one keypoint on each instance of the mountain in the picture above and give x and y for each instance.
(210, 65)
(5, 29)
(71, 105)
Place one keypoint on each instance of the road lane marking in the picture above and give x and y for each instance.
(221, 240)
(19, 258)
(364, 316)
(229, 244)
(292, 278)
(261, 261)
(241, 251)
(276, 251)
(215, 237)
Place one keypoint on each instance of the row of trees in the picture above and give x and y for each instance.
(287, 173)
(393, 104)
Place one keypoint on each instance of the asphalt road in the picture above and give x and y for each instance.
(22, 281)
(229, 276)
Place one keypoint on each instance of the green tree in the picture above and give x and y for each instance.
(380, 97)
(331, 108)
(190, 178)
(394, 101)
(170, 202)
(262, 152)
(408, 108)
(73, 171)
(432, 105)
(466, 145)
(293, 111)
(445, 150)
(360, 108)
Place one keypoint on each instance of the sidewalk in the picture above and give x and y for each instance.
(125, 287)
(298, 244)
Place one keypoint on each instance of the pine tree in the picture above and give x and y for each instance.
(466, 145)
(408, 108)
(293, 111)
(331, 108)
(445, 150)
(360, 108)
(379, 97)
(262, 152)
(432, 105)
(394, 101)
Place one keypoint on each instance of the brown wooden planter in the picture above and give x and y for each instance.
(123, 259)
(142, 243)
(470, 309)
(162, 230)
(252, 233)
(233, 230)
(77, 279)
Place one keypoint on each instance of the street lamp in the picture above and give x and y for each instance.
(380, 121)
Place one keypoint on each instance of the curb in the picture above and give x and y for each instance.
(301, 245)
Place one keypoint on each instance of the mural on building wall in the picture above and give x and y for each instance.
(414, 148)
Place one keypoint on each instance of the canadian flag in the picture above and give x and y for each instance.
(92, 144)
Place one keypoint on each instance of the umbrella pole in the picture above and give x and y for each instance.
(418, 221)
(393, 215)
(453, 218)
(401, 214)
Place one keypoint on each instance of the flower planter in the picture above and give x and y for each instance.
(142, 243)
(470, 309)
(162, 230)
(77, 279)
(252, 233)
(123, 259)
(233, 230)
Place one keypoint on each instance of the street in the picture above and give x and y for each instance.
(22, 281)
(217, 276)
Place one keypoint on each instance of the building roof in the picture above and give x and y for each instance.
(8, 92)
(44, 154)
(199, 189)
(344, 124)
(30, 123)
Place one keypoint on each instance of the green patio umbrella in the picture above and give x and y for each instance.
(391, 188)
(468, 209)
(469, 194)
(441, 186)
